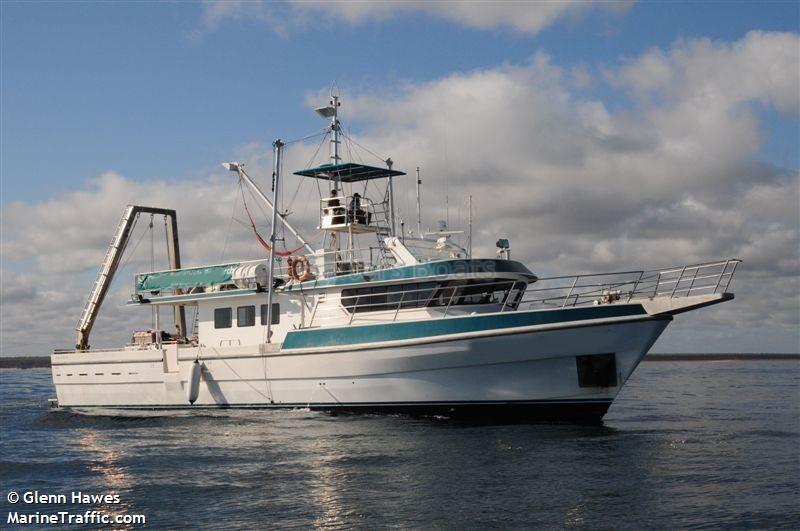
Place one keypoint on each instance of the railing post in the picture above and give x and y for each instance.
(635, 285)
(508, 296)
(353, 313)
(449, 302)
(694, 277)
(313, 314)
(566, 299)
(730, 278)
(721, 273)
(399, 305)
(675, 287)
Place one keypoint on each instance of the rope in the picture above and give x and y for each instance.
(261, 240)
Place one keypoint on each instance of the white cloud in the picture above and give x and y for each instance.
(578, 185)
(523, 17)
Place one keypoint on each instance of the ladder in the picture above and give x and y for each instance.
(383, 230)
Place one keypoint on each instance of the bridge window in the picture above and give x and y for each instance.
(276, 313)
(478, 291)
(245, 316)
(222, 317)
(383, 298)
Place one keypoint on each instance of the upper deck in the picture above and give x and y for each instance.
(231, 280)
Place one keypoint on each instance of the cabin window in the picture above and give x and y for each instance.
(246, 316)
(222, 317)
(382, 298)
(276, 313)
(478, 291)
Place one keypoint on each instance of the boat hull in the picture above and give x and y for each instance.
(523, 373)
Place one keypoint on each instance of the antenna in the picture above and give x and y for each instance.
(469, 227)
(389, 163)
(332, 111)
(419, 212)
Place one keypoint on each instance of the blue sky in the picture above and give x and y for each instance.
(596, 136)
(89, 87)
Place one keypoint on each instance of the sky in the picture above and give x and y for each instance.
(596, 136)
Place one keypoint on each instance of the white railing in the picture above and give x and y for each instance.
(506, 295)
(391, 302)
(343, 213)
(580, 290)
(349, 260)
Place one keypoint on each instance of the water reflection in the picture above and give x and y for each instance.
(725, 451)
(115, 478)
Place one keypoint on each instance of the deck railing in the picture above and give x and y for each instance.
(580, 290)
(545, 293)
(392, 301)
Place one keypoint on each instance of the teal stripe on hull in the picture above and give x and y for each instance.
(375, 333)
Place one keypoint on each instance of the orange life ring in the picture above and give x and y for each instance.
(305, 268)
(290, 268)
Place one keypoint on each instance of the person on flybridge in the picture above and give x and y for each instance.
(355, 212)
(334, 210)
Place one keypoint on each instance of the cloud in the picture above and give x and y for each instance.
(522, 17)
(669, 176)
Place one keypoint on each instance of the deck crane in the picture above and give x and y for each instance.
(111, 263)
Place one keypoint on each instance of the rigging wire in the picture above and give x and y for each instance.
(152, 266)
(323, 131)
(230, 222)
(261, 240)
(308, 165)
(133, 250)
(365, 149)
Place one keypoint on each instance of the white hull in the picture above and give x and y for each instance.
(524, 369)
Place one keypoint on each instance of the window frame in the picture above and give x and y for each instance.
(276, 314)
(219, 312)
(251, 314)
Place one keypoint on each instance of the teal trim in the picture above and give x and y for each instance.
(420, 271)
(376, 333)
(191, 277)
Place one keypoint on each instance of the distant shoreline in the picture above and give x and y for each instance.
(721, 357)
(43, 362)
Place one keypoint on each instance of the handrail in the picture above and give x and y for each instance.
(683, 281)
(354, 304)
(572, 291)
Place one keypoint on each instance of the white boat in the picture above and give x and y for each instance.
(399, 324)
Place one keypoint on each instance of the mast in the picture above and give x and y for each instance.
(276, 180)
(238, 167)
(469, 227)
(419, 212)
(389, 163)
(335, 129)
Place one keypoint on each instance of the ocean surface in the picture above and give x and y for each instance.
(686, 445)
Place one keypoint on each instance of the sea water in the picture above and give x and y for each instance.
(686, 444)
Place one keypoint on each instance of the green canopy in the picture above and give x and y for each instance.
(192, 277)
(348, 172)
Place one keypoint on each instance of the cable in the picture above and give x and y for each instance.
(364, 148)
